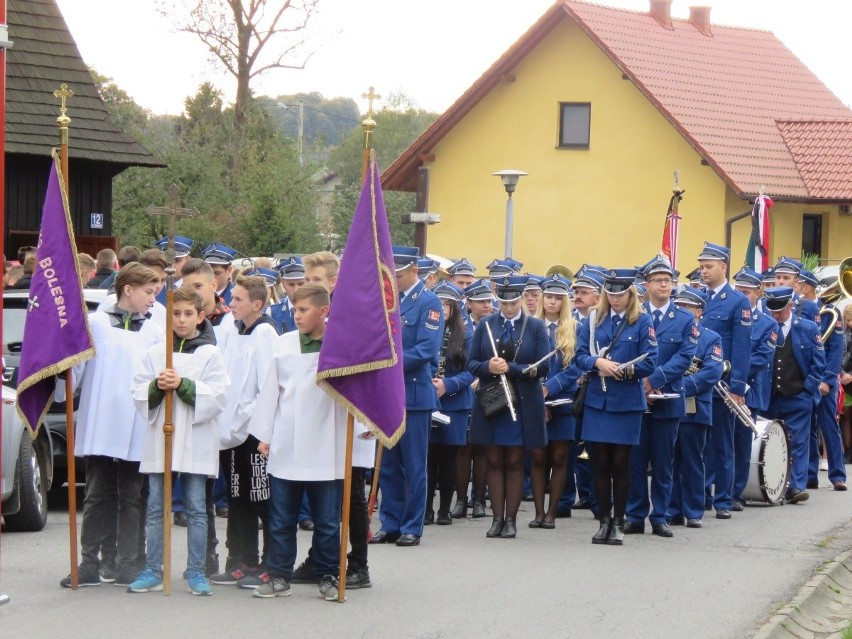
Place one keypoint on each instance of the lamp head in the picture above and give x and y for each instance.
(510, 178)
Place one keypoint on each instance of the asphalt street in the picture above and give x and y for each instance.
(722, 581)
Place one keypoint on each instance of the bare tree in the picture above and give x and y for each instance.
(247, 37)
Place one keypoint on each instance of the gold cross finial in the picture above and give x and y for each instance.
(370, 96)
(63, 93)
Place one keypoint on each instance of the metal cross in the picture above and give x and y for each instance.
(172, 211)
(32, 303)
(63, 93)
(370, 96)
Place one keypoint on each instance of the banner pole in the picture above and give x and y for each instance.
(63, 93)
(347, 508)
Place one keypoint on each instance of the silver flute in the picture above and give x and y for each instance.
(504, 382)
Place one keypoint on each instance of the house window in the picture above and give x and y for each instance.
(812, 234)
(574, 123)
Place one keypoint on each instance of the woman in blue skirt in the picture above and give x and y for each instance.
(555, 311)
(611, 342)
(452, 383)
(520, 341)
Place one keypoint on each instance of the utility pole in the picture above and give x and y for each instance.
(301, 137)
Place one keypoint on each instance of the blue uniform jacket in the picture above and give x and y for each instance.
(562, 380)
(700, 385)
(422, 334)
(621, 395)
(807, 309)
(764, 336)
(835, 347)
(808, 353)
(281, 315)
(534, 345)
(226, 292)
(676, 342)
(729, 315)
(459, 395)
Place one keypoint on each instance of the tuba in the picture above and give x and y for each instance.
(564, 271)
(842, 288)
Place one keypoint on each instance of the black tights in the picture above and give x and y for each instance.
(505, 479)
(441, 474)
(611, 471)
(554, 457)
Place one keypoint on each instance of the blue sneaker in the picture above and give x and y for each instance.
(146, 581)
(198, 585)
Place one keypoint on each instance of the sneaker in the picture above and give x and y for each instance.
(222, 512)
(823, 464)
(198, 585)
(359, 578)
(254, 578)
(275, 587)
(85, 577)
(179, 519)
(304, 574)
(146, 581)
(230, 577)
(108, 574)
(328, 588)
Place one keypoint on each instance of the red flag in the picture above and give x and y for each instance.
(670, 231)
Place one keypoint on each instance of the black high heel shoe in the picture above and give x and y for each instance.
(510, 531)
(604, 531)
(496, 527)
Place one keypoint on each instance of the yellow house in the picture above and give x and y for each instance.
(600, 106)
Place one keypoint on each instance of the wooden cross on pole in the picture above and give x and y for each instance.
(172, 211)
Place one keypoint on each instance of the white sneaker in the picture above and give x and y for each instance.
(823, 464)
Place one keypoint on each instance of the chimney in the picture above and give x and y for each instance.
(699, 17)
(661, 11)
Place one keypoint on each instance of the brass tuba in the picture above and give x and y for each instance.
(834, 293)
(564, 271)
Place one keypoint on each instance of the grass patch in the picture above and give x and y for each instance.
(847, 634)
(826, 541)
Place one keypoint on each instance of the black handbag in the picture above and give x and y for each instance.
(492, 397)
(580, 401)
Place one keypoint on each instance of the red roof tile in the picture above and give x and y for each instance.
(822, 150)
(723, 92)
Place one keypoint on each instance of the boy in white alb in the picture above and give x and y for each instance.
(303, 432)
(109, 431)
(200, 383)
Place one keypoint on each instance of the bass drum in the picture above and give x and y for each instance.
(769, 471)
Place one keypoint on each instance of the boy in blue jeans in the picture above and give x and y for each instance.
(199, 381)
(302, 431)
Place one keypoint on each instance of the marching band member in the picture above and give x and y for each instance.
(452, 384)
(480, 301)
(402, 479)
(555, 311)
(687, 503)
(676, 341)
(532, 293)
(797, 374)
(291, 274)
(787, 273)
(183, 248)
(219, 257)
(728, 313)
(462, 273)
(427, 270)
(521, 340)
(764, 335)
(617, 333)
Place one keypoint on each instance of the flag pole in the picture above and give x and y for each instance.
(63, 93)
(4, 599)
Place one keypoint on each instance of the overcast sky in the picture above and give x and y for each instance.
(432, 51)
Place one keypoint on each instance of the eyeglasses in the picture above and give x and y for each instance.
(660, 280)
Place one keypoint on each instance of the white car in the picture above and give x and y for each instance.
(27, 470)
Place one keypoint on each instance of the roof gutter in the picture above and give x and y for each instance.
(729, 226)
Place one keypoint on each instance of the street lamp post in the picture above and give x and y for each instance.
(510, 178)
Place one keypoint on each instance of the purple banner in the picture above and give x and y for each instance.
(360, 363)
(56, 330)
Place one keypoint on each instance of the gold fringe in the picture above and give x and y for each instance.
(384, 440)
(343, 371)
(73, 360)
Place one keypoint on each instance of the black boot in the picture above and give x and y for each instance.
(211, 566)
(496, 527)
(459, 511)
(444, 518)
(616, 537)
(603, 533)
(510, 531)
(478, 508)
(429, 518)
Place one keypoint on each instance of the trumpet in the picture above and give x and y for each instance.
(740, 412)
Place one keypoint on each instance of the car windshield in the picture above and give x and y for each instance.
(13, 325)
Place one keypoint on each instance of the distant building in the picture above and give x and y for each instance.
(600, 105)
(43, 57)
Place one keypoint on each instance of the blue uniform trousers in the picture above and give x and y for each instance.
(743, 440)
(656, 445)
(825, 420)
(688, 474)
(719, 458)
(796, 412)
(403, 477)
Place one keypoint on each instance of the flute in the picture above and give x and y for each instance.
(503, 381)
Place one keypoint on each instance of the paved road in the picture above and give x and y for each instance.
(724, 581)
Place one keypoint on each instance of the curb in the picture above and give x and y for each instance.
(821, 609)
